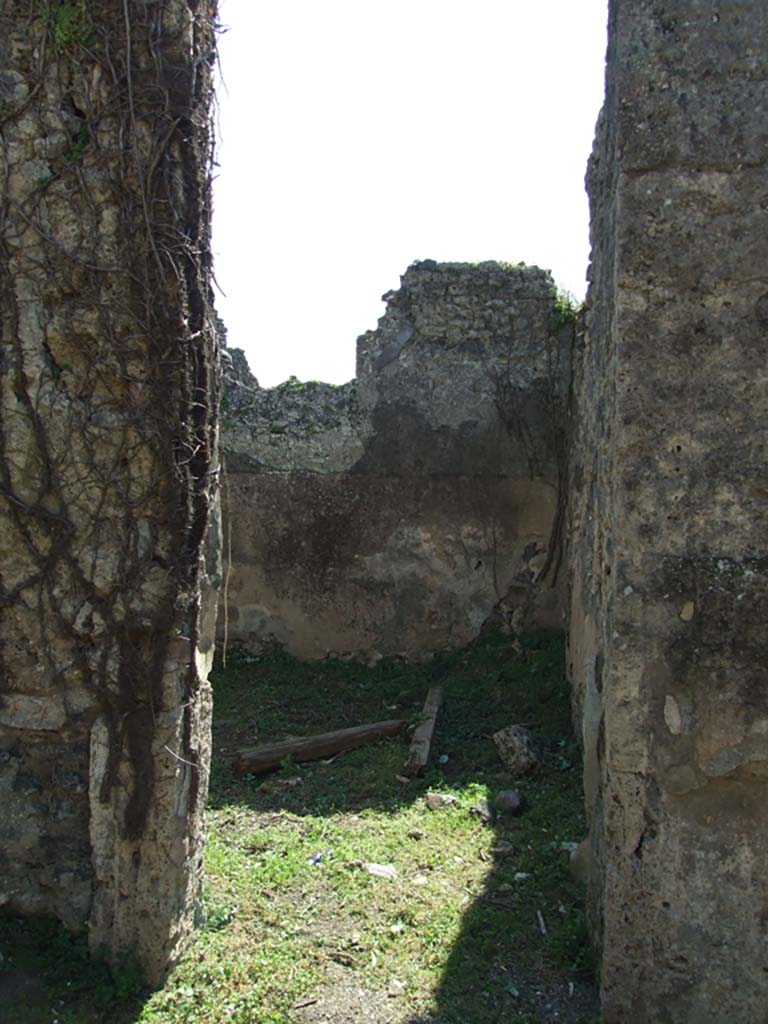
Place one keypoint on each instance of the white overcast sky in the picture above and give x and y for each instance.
(359, 136)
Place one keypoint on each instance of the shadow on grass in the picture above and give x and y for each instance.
(47, 976)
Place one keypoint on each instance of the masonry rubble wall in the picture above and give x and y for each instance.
(393, 514)
(107, 467)
(668, 640)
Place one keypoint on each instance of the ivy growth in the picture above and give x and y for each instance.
(70, 25)
(77, 149)
(565, 308)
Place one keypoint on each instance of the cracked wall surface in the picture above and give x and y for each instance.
(668, 644)
(393, 514)
(107, 467)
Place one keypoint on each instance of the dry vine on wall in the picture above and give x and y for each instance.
(108, 463)
(535, 417)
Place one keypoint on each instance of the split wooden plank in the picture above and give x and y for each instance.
(311, 748)
(418, 755)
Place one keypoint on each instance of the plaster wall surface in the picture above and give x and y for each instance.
(391, 515)
(668, 643)
(107, 467)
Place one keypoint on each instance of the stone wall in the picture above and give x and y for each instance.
(668, 640)
(107, 466)
(392, 514)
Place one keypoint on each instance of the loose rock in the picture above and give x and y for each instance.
(504, 850)
(439, 801)
(483, 810)
(517, 749)
(508, 801)
(388, 871)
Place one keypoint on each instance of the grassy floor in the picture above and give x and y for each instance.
(482, 923)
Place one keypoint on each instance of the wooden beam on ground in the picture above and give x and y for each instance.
(418, 755)
(311, 748)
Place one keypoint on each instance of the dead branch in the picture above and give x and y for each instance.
(418, 755)
(311, 748)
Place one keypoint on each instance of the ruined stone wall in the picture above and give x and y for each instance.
(107, 465)
(392, 514)
(668, 640)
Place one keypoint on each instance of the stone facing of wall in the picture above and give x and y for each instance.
(107, 468)
(668, 643)
(391, 514)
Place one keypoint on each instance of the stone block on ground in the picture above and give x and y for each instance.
(518, 749)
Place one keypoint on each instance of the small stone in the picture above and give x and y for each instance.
(395, 988)
(39, 713)
(420, 879)
(686, 612)
(517, 749)
(509, 801)
(483, 810)
(415, 833)
(388, 871)
(672, 715)
(504, 850)
(439, 801)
